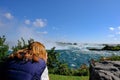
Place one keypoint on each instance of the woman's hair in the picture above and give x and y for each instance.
(34, 52)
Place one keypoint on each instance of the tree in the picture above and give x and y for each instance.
(52, 60)
(21, 44)
(63, 69)
(3, 48)
(55, 65)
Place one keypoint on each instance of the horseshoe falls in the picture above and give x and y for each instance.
(76, 55)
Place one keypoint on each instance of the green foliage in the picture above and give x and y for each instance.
(112, 48)
(82, 71)
(110, 58)
(53, 61)
(114, 58)
(3, 48)
(63, 69)
(21, 44)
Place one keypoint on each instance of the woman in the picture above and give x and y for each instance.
(27, 64)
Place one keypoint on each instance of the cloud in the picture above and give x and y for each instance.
(44, 32)
(30, 32)
(14, 29)
(27, 22)
(117, 32)
(40, 23)
(7, 23)
(119, 28)
(111, 28)
(111, 36)
(26, 32)
(8, 15)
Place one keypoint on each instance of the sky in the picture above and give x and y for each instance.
(49, 21)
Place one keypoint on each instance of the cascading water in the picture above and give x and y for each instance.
(76, 55)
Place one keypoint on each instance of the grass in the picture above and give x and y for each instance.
(61, 77)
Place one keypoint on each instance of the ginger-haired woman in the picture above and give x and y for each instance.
(27, 64)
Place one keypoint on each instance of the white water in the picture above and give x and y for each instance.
(75, 55)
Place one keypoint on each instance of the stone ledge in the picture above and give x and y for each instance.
(105, 70)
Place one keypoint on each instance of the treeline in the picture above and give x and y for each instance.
(55, 66)
(107, 47)
(111, 48)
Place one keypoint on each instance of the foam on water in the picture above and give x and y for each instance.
(76, 55)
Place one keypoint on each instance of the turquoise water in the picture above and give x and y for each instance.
(75, 58)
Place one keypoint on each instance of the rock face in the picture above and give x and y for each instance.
(105, 70)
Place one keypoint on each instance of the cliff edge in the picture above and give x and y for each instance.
(105, 70)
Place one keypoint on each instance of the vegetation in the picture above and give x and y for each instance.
(53, 61)
(61, 77)
(3, 48)
(112, 48)
(115, 58)
(111, 58)
(107, 47)
(21, 44)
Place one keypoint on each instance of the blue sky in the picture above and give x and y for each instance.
(86, 21)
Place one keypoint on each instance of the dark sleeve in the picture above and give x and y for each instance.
(41, 67)
(40, 70)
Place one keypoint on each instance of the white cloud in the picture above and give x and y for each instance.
(44, 32)
(39, 23)
(14, 29)
(8, 15)
(119, 28)
(30, 32)
(115, 33)
(111, 36)
(118, 33)
(26, 32)
(27, 21)
(112, 29)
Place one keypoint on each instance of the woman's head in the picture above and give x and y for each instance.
(34, 52)
(37, 50)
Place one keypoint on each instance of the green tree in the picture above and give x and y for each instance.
(63, 69)
(3, 48)
(55, 65)
(21, 44)
(52, 60)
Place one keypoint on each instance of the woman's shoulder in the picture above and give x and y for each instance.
(41, 61)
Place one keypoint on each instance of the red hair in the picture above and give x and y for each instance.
(35, 51)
